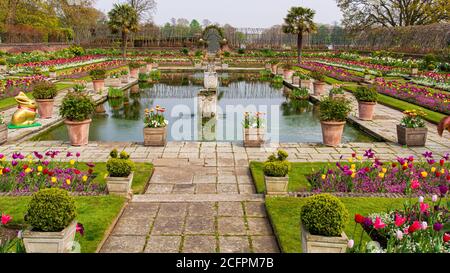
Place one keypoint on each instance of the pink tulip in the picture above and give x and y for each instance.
(424, 207)
(6, 219)
(378, 223)
(399, 220)
(399, 234)
(350, 243)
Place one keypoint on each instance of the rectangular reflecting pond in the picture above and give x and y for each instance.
(196, 115)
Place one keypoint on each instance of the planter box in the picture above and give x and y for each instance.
(254, 137)
(124, 79)
(155, 136)
(134, 73)
(50, 242)
(119, 185)
(276, 185)
(296, 80)
(323, 244)
(412, 136)
(3, 134)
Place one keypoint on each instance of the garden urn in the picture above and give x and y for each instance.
(287, 74)
(3, 134)
(50, 242)
(332, 132)
(305, 84)
(412, 136)
(119, 185)
(155, 136)
(274, 68)
(414, 71)
(99, 85)
(276, 185)
(134, 73)
(45, 108)
(78, 131)
(366, 110)
(323, 244)
(296, 80)
(149, 68)
(319, 88)
(254, 137)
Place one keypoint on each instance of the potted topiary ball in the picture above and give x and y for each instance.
(98, 77)
(120, 173)
(323, 219)
(77, 109)
(276, 170)
(367, 101)
(51, 214)
(319, 84)
(333, 115)
(44, 93)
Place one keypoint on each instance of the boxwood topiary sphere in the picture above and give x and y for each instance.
(276, 168)
(51, 210)
(324, 215)
(118, 167)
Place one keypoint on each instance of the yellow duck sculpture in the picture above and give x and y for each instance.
(25, 114)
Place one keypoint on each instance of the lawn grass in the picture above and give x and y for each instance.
(284, 213)
(96, 213)
(297, 176)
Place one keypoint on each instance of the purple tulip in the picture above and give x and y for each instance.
(428, 155)
(443, 189)
(14, 163)
(438, 226)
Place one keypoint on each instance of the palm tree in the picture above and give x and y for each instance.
(298, 21)
(123, 19)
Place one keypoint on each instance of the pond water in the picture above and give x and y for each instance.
(200, 116)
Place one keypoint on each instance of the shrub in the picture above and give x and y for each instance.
(134, 65)
(184, 51)
(414, 65)
(124, 72)
(119, 166)
(336, 91)
(277, 165)
(97, 74)
(334, 109)
(227, 54)
(155, 75)
(287, 66)
(143, 77)
(324, 214)
(2, 61)
(77, 106)
(198, 53)
(44, 90)
(149, 60)
(77, 50)
(241, 51)
(365, 94)
(318, 76)
(115, 92)
(51, 210)
(300, 93)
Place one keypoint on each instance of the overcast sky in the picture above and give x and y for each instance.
(239, 13)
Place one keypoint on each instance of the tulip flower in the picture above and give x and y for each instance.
(421, 199)
(379, 223)
(359, 218)
(434, 198)
(424, 207)
(5, 219)
(415, 184)
(414, 227)
(446, 237)
(399, 234)
(350, 244)
(424, 225)
(399, 220)
(438, 226)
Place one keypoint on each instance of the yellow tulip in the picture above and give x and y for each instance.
(350, 159)
(68, 181)
(84, 178)
(1, 172)
(72, 162)
(381, 175)
(353, 167)
(424, 174)
(27, 170)
(359, 157)
(384, 170)
(54, 179)
(39, 168)
(433, 169)
(443, 171)
(353, 175)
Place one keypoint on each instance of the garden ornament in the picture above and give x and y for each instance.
(444, 125)
(26, 112)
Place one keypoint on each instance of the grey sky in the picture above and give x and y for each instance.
(239, 13)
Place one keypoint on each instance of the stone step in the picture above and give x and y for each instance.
(180, 198)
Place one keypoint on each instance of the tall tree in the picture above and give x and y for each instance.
(362, 14)
(299, 20)
(123, 19)
(195, 28)
(144, 8)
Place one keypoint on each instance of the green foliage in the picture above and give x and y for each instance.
(123, 18)
(97, 74)
(115, 92)
(120, 166)
(143, 77)
(227, 54)
(51, 210)
(198, 53)
(184, 51)
(134, 65)
(77, 106)
(44, 90)
(2, 61)
(318, 76)
(300, 93)
(287, 66)
(336, 91)
(334, 109)
(366, 94)
(77, 50)
(155, 75)
(241, 51)
(277, 165)
(149, 60)
(277, 79)
(299, 20)
(413, 119)
(324, 214)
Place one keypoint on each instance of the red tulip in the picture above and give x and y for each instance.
(441, 162)
(424, 207)
(359, 218)
(415, 184)
(414, 227)
(399, 220)
(446, 237)
(5, 219)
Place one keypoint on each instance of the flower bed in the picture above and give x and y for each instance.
(368, 174)
(58, 63)
(331, 71)
(37, 171)
(12, 87)
(436, 101)
(433, 79)
(83, 71)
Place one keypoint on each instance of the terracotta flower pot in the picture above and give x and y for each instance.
(99, 85)
(149, 67)
(319, 88)
(332, 132)
(288, 75)
(3, 134)
(296, 80)
(134, 73)
(280, 71)
(305, 84)
(78, 132)
(366, 110)
(45, 108)
(274, 68)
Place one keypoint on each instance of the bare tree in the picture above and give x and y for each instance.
(144, 8)
(361, 14)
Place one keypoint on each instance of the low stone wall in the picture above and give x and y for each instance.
(18, 48)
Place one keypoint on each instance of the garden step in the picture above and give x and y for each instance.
(176, 198)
